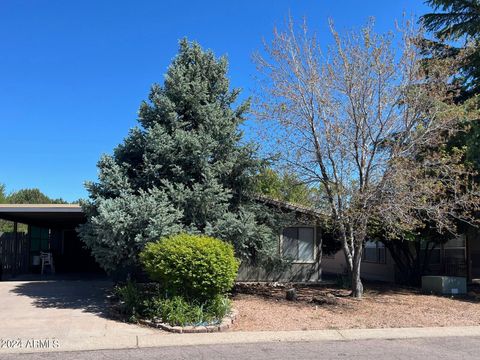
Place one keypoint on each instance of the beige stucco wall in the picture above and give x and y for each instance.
(369, 271)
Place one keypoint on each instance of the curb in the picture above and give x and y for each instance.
(243, 337)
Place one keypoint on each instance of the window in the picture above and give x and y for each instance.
(374, 252)
(454, 250)
(298, 243)
(39, 239)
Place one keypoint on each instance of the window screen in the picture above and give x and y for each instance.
(305, 244)
(298, 243)
(374, 252)
(290, 243)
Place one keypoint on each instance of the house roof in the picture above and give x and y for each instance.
(72, 214)
(41, 207)
(50, 215)
(291, 206)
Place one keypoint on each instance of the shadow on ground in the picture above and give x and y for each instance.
(85, 295)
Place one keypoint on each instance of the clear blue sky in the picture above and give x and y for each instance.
(73, 73)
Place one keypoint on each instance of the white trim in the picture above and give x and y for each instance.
(40, 208)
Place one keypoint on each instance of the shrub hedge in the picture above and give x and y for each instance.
(196, 267)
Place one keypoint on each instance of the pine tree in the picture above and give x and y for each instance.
(183, 168)
(3, 195)
(453, 19)
(455, 25)
(456, 20)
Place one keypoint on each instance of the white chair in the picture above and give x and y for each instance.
(47, 260)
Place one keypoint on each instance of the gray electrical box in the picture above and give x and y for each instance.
(445, 285)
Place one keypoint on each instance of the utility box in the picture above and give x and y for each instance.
(444, 285)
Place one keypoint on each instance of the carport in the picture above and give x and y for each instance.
(32, 228)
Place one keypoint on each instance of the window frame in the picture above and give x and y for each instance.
(446, 247)
(377, 253)
(315, 251)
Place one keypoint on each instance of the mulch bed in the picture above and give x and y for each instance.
(264, 307)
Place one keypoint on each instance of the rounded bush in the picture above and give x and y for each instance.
(197, 267)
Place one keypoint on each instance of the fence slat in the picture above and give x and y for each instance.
(9, 262)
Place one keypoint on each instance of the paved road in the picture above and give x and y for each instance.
(432, 348)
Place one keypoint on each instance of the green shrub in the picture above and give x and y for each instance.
(177, 311)
(132, 299)
(218, 307)
(195, 267)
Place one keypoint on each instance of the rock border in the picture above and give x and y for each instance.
(224, 325)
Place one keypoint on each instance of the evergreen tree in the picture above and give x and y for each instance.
(183, 168)
(455, 25)
(457, 21)
(453, 18)
(3, 195)
(4, 225)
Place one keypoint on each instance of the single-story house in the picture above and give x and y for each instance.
(51, 228)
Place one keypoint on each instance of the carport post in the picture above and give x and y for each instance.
(15, 249)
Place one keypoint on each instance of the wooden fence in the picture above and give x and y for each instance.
(14, 253)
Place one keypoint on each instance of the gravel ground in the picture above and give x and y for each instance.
(265, 308)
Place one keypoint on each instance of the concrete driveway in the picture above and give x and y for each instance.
(61, 309)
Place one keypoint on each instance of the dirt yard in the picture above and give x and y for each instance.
(265, 308)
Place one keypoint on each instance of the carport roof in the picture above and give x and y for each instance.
(48, 215)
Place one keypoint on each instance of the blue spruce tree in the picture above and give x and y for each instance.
(183, 168)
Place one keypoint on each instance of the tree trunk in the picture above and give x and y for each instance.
(347, 251)
(318, 269)
(357, 286)
(353, 257)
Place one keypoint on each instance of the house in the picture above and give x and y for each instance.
(37, 227)
(51, 227)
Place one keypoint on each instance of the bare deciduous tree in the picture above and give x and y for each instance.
(366, 122)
